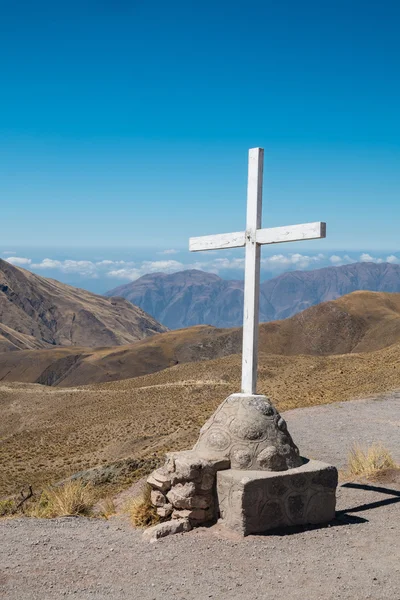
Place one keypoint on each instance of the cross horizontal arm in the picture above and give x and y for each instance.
(292, 233)
(218, 241)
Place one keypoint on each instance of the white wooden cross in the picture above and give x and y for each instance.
(252, 239)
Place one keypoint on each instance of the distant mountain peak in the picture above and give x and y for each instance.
(194, 297)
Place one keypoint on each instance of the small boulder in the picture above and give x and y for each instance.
(160, 479)
(157, 498)
(180, 495)
(165, 511)
(168, 528)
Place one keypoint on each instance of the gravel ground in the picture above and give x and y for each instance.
(356, 558)
(328, 432)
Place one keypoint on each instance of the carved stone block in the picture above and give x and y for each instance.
(256, 501)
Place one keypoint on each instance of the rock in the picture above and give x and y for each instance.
(187, 467)
(181, 514)
(248, 431)
(207, 480)
(201, 501)
(196, 515)
(168, 528)
(165, 511)
(160, 479)
(256, 501)
(180, 496)
(157, 498)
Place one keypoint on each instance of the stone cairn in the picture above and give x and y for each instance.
(245, 468)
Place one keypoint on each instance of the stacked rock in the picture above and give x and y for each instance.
(184, 488)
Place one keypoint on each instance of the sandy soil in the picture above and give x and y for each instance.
(356, 558)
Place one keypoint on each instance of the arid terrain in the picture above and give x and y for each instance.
(359, 322)
(49, 433)
(36, 312)
(166, 386)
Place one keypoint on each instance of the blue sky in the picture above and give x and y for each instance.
(127, 124)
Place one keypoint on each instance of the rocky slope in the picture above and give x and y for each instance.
(194, 297)
(358, 322)
(36, 312)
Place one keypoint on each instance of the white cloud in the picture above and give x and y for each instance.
(275, 262)
(8, 252)
(227, 263)
(107, 263)
(148, 266)
(162, 265)
(128, 273)
(335, 259)
(130, 270)
(170, 251)
(81, 267)
(48, 263)
(18, 261)
(301, 261)
(365, 257)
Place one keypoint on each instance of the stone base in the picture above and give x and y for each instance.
(256, 501)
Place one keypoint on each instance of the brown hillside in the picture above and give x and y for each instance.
(359, 322)
(49, 433)
(39, 312)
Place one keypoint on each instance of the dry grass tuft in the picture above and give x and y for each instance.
(7, 508)
(106, 508)
(141, 511)
(368, 462)
(72, 498)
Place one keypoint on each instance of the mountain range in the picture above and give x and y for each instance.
(195, 297)
(36, 312)
(357, 323)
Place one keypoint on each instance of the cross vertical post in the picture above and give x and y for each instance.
(252, 239)
(252, 272)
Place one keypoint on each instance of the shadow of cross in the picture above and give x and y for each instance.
(377, 504)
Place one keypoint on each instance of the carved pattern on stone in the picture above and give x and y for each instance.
(254, 504)
(249, 431)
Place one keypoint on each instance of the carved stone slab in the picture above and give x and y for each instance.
(256, 501)
(249, 432)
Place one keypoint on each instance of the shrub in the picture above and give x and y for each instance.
(106, 507)
(7, 507)
(141, 511)
(72, 498)
(367, 462)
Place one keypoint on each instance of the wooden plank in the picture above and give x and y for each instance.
(291, 233)
(252, 272)
(217, 242)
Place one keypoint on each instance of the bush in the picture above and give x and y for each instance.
(141, 511)
(72, 498)
(7, 507)
(368, 462)
(106, 507)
